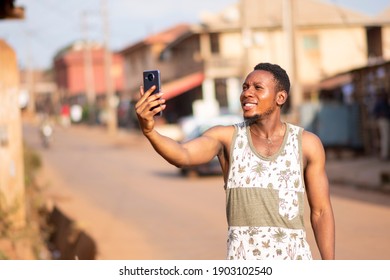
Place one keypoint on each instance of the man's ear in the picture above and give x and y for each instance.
(281, 97)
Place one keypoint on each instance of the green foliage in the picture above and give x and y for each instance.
(3, 256)
(33, 234)
(32, 163)
(5, 215)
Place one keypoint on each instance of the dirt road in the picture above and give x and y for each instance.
(131, 202)
(136, 206)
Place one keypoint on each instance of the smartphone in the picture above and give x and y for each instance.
(152, 78)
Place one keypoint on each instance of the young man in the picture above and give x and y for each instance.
(267, 167)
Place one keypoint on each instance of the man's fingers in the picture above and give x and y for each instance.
(141, 91)
(146, 105)
(147, 93)
(143, 95)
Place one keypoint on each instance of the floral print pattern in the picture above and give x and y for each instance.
(248, 243)
(282, 236)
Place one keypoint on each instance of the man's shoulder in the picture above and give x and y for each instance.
(295, 129)
(240, 125)
(295, 126)
(311, 143)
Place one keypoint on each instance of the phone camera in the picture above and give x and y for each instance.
(150, 77)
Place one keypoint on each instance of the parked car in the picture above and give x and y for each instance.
(123, 113)
(192, 128)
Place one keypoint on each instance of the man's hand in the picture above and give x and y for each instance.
(144, 106)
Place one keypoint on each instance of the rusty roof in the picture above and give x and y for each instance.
(164, 37)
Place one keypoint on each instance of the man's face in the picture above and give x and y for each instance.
(258, 96)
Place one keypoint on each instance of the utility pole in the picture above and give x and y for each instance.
(289, 27)
(111, 99)
(88, 69)
(30, 79)
(246, 33)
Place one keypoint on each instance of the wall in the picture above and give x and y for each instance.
(386, 42)
(342, 49)
(11, 148)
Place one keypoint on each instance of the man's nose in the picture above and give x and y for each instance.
(248, 91)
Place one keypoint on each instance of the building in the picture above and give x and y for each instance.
(12, 192)
(8, 10)
(175, 52)
(348, 97)
(38, 91)
(311, 39)
(12, 179)
(382, 27)
(80, 73)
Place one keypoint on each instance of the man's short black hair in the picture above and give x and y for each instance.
(280, 75)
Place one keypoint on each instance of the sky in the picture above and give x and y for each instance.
(50, 25)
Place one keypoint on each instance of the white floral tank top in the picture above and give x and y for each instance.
(265, 200)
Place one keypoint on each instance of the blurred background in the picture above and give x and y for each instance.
(77, 180)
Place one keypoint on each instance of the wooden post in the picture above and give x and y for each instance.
(12, 194)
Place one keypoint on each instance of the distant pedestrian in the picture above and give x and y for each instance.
(65, 115)
(382, 114)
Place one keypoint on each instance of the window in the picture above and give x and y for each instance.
(374, 41)
(221, 92)
(214, 42)
(310, 43)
